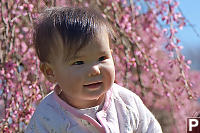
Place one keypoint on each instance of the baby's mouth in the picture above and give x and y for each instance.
(93, 85)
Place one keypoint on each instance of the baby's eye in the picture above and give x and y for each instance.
(102, 58)
(78, 63)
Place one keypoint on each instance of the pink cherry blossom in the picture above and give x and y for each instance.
(147, 56)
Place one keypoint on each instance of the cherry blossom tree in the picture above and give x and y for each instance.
(147, 56)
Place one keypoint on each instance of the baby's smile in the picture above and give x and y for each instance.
(94, 85)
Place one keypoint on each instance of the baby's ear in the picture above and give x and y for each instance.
(47, 70)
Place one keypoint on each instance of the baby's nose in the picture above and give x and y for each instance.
(94, 70)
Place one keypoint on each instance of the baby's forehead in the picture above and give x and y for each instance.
(77, 47)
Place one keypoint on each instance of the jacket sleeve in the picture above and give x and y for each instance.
(147, 121)
(46, 119)
(36, 124)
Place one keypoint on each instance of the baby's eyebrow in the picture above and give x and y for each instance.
(104, 52)
(74, 58)
(77, 57)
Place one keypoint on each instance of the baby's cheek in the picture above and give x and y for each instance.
(76, 77)
(110, 73)
(111, 68)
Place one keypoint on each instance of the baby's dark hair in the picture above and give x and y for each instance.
(70, 28)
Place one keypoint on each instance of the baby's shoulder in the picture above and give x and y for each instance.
(124, 93)
(47, 116)
(48, 108)
(47, 103)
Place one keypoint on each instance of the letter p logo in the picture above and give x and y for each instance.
(193, 125)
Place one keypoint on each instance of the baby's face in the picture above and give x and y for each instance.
(85, 78)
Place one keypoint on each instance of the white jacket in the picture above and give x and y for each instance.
(122, 112)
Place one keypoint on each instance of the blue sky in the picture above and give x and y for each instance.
(190, 41)
(191, 10)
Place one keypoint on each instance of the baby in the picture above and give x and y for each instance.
(73, 45)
